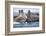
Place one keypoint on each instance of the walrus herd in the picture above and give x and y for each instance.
(29, 17)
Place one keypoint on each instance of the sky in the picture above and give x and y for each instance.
(25, 10)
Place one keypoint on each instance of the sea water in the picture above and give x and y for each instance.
(25, 25)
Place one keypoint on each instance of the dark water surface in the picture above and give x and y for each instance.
(25, 25)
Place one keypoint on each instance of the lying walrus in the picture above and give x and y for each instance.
(21, 17)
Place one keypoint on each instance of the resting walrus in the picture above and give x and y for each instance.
(21, 17)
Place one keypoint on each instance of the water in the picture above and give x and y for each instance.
(25, 25)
